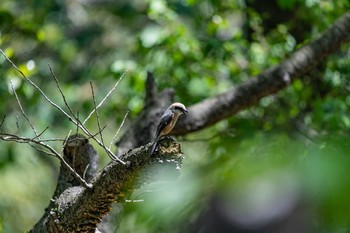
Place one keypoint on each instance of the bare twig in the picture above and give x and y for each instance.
(47, 149)
(104, 99)
(65, 141)
(60, 90)
(95, 134)
(3, 120)
(52, 151)
(78, 121)
(120, 126)
(85, 170)
(72, 119)
(36, 87)
(97, 117)
(42, 132)
(76, 175)
(17, 124)
(96, 112)
(52, 139)
(41, 150)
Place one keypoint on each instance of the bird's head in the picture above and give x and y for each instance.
(178, 108)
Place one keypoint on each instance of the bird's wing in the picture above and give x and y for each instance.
(164, 121)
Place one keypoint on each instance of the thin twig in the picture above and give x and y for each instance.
(85, 170)
(41, 150)
(94, 135)
(17, 125)
(97, 117)
(65, 141)
(37, 136)
(3, 120)
(77, 131)
(120, 126)
(96, 112)
(11, 137)
(81, 126)
(104, 99)
(60, 90)
(76, 141)
(52, 139)
(76, 175)
(36, 87)
(15, 138)
(22, 110)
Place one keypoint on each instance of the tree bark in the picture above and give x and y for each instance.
(245, 95)
(270, 81)
(78, 209)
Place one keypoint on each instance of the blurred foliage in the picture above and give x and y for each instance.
(200, 48)
(256, 176)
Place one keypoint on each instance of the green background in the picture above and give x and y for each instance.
(297, 139)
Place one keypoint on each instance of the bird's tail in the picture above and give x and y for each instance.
(153, 147)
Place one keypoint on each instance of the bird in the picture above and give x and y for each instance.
(168, 121)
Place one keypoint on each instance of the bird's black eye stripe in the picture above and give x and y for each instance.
(181, 109)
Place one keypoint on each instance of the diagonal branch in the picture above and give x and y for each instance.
(212, 110)
(85, 210)
(60, 90)
(120, 126)
(19, 139)
(72, 119)
(22, 110)
(37, 88)
(42, 132)
(270, 81)
(2, 120)
(82, 209)
(104, 99)
(97, 117)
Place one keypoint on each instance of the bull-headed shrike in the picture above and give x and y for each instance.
(167, 122)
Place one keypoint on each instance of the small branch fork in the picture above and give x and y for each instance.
(37, 140)
(50, 151)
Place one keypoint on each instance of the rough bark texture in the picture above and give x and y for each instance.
(212, 110)
(78, 209)
(83, 158)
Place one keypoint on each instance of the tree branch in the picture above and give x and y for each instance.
(73, 119)
(227, 104)
(270, 81)
(104, 99)
(79, 209)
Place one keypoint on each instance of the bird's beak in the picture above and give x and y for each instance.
(184, 110)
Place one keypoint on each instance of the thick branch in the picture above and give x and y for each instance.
(80, 210)
(227, 104)
(212, 110)
(82, 157)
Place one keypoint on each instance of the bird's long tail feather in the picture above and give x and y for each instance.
(153, 148)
